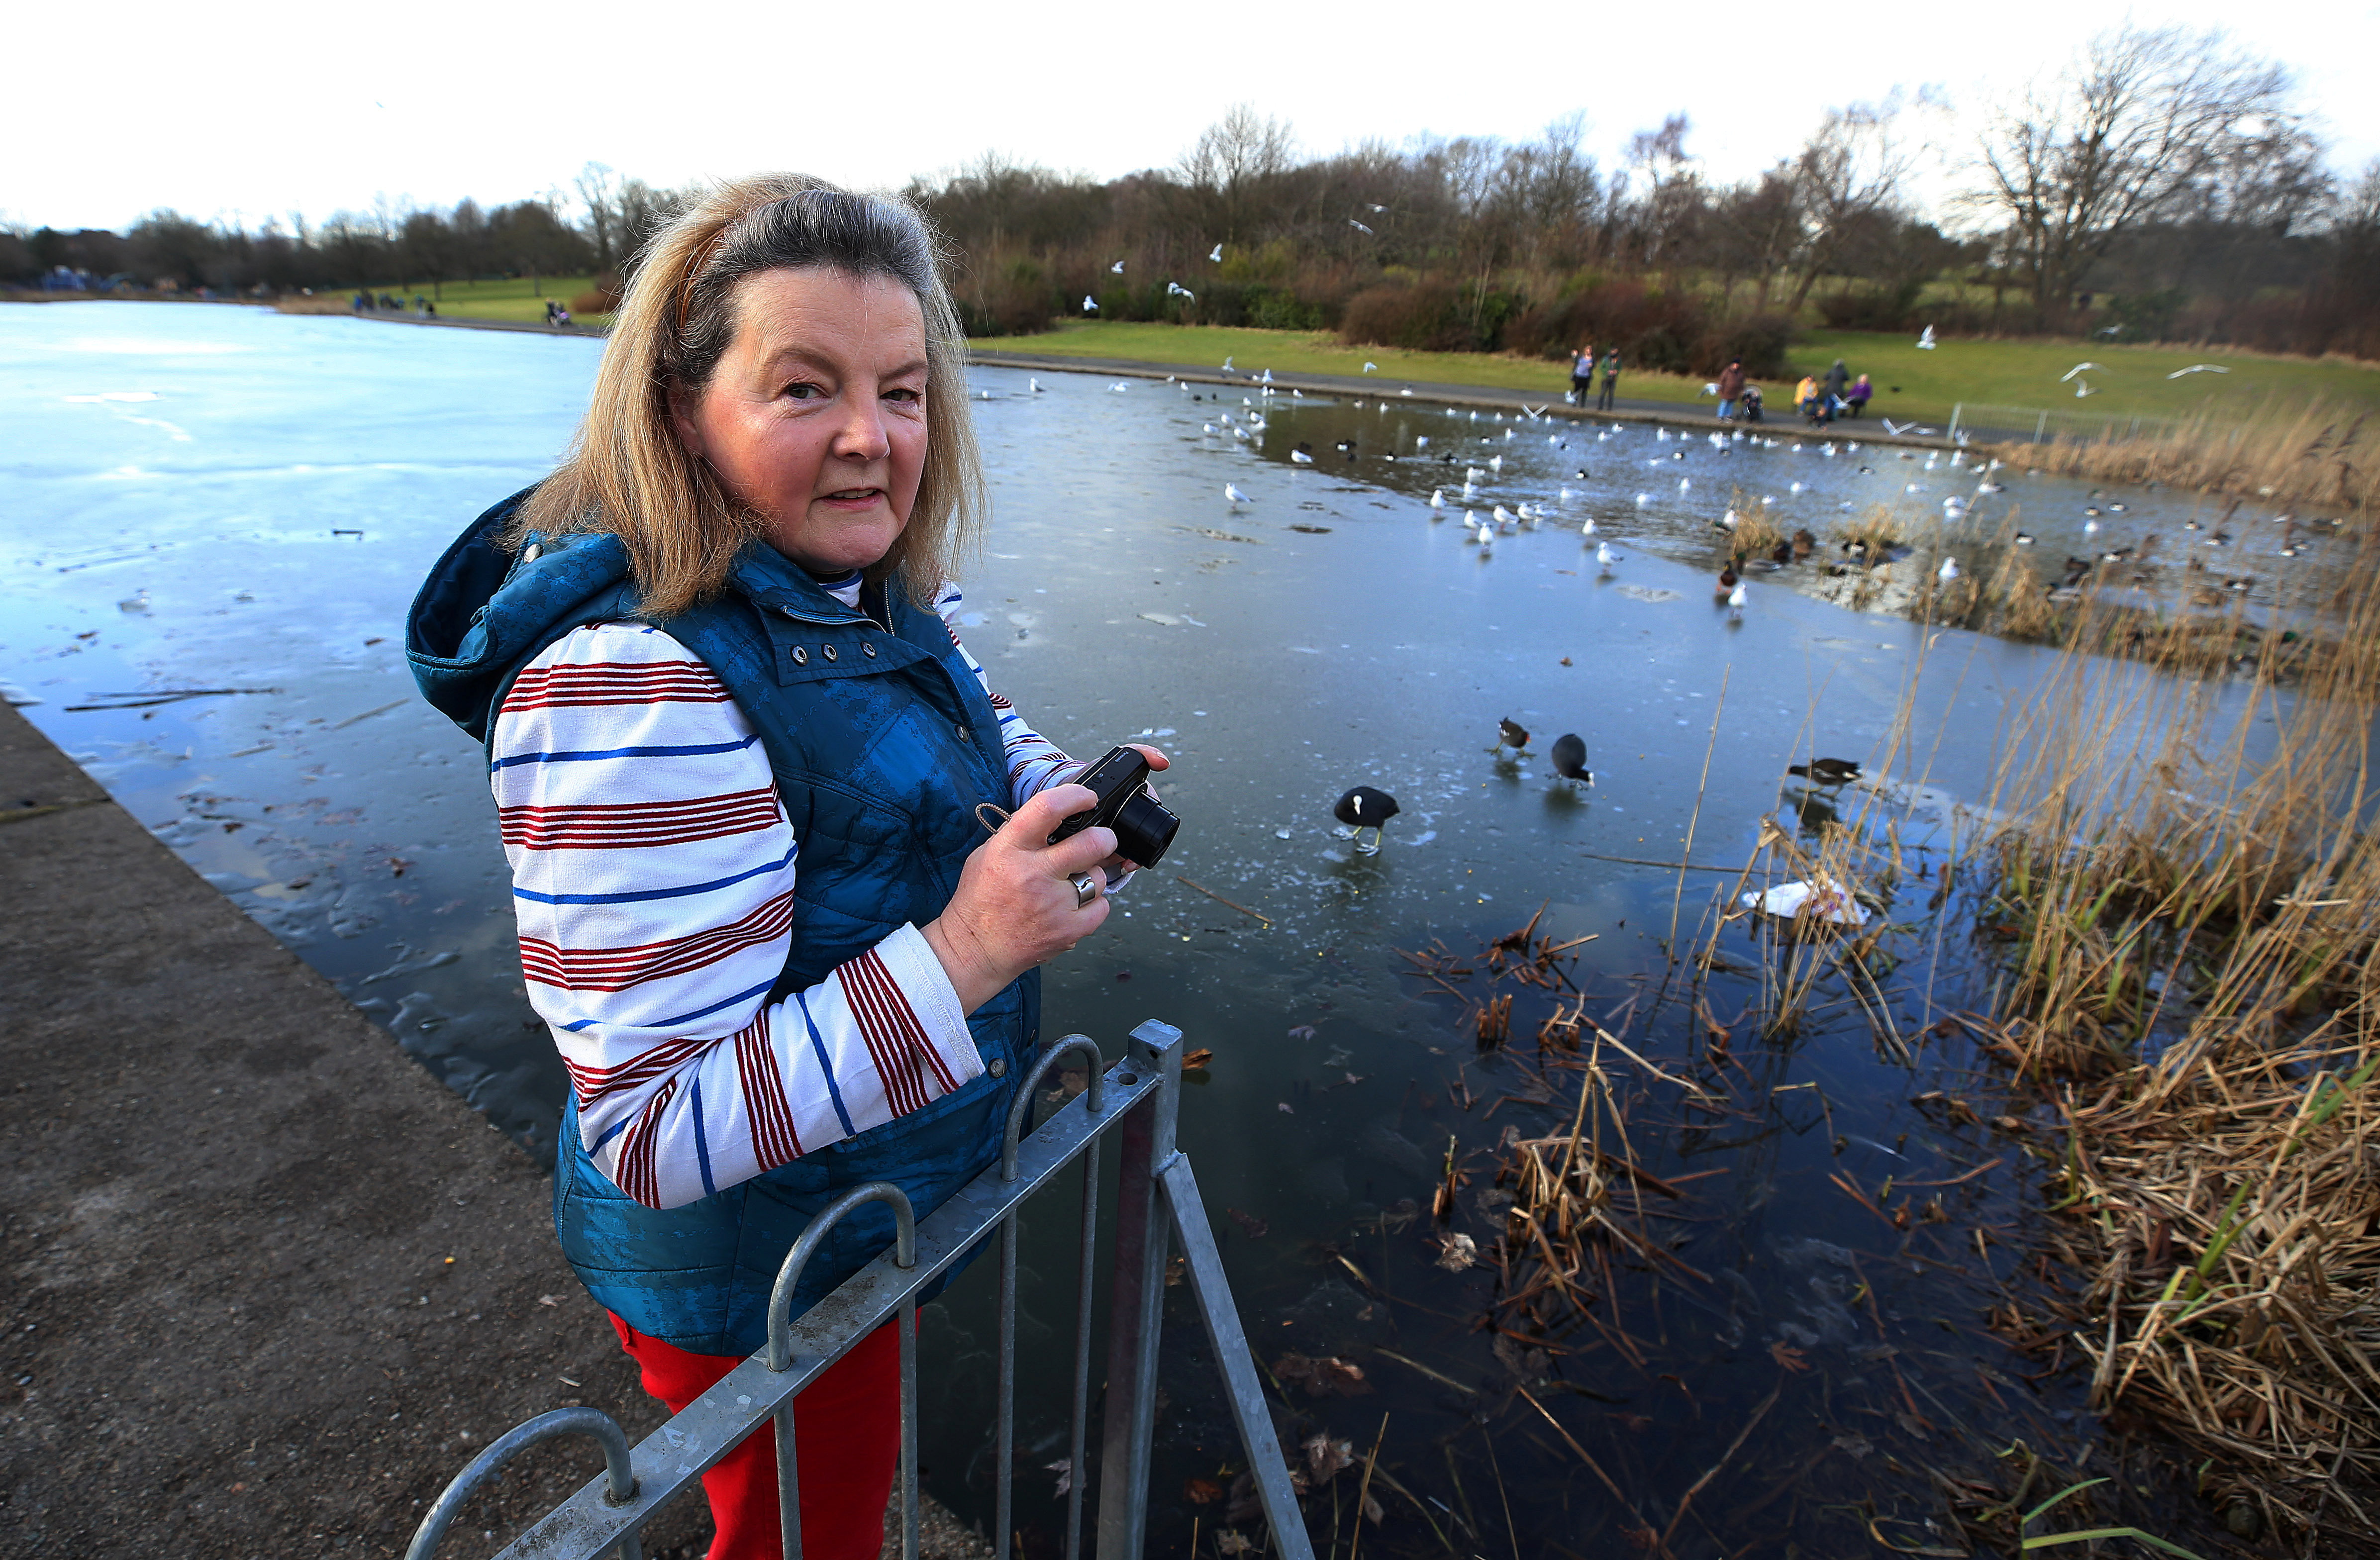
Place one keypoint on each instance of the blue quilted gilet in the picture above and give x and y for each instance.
(883, 743)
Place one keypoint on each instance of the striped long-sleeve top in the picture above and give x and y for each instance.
(653, 882)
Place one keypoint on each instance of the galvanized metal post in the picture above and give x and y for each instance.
(1135, 1304)
(1020, 1112)
(2040, 428)
(1955, 410)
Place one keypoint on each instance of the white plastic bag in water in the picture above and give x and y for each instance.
(1820, 902)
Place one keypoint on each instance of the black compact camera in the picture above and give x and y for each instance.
(1143, 827)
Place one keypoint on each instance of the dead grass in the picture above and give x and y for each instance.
(2316, 453)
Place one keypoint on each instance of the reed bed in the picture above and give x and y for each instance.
(2313, 452)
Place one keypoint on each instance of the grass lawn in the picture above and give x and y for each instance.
(2017, 373)
(513, 298)
(2131, 379)
(1319, 351)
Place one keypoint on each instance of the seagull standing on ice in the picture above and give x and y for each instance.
(1436, 500)
(1232, 494)
(1605, 558)
(1735, 604)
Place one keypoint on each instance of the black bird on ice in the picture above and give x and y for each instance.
(1826, 771)
(1511, 734)
(1366, 807)
(1570, 759)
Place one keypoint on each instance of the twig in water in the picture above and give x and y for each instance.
(1220, 900)
(1363, 1490)
(1733, 1446)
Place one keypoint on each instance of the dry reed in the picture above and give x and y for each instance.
(2293, 452)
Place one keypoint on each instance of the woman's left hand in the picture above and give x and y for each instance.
(1115, 868)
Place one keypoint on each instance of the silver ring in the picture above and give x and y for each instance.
(1087, 888)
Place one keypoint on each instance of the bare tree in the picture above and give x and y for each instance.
(1231, 159)
(1669, 212)
(2119, 142)
(599, 188)
(1853, 170)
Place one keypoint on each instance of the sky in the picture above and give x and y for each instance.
(315, 111)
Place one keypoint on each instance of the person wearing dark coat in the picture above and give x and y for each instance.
(1730, 388)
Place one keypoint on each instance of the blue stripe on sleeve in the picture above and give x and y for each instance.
(701, 1145)
(641, 896)
(833, 1089)
(575, 758)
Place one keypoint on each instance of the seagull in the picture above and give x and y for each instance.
(1033, 386)
(1375, 206)
(1091, 304)
(1299, 457)
(1643, 501)
(1117, 268)
(1605, 558)
(1510, 734)
(1949, 571)
(1925, 342)
(1176, 290)
(1236, 497)
(1226, 362)
(1570, 760)
(2199, 368)
(2082, 387)
(1215, 254)
(1471, 523)
(2080, 368)
(1735, 604)
(1587, 529)
(1436, 499)
(1357, 226)
(1372, 369)
(1362, 808)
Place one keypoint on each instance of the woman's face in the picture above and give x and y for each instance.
(816, 416)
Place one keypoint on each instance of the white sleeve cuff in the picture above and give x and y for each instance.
(910, 959)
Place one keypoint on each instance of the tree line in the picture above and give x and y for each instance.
(2162, 184)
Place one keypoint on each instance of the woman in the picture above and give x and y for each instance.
(712, 642)
(1582, 374)
(1862, 392)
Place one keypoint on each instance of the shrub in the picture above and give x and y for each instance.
(602, 298)
(1872, 309)
(1423, 317)
(1759, 339)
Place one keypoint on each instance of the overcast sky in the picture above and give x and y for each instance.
(107, 115)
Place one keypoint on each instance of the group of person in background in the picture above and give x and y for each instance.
(1821, 399)
(1837, 395)
(1583, 365)
(555, 314)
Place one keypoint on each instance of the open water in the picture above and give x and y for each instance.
(227, 500)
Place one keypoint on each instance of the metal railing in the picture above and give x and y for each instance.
(1138, 1100)
(2038, 425)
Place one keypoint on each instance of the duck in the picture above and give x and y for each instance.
(1727, 582)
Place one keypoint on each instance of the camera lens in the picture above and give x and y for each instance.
(1144, 829)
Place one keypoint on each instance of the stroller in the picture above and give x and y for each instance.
(1750, 403)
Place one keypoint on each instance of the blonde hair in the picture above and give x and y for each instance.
(627, 472)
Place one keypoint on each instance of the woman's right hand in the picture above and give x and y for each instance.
(1015, 906)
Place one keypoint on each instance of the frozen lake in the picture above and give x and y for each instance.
(240, 502)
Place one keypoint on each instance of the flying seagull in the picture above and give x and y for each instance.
(2079, 368)
(1117, 268)
(1216, 255)
(1091, 304)
(1925, 342)
(2199, 368)
(1357, 226)
(2082, 387)
(1176, 290)
(1371, 368)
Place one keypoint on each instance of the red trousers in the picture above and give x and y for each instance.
(847, 1433)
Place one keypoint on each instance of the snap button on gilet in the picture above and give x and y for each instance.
(827, 650)
(801, 657)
